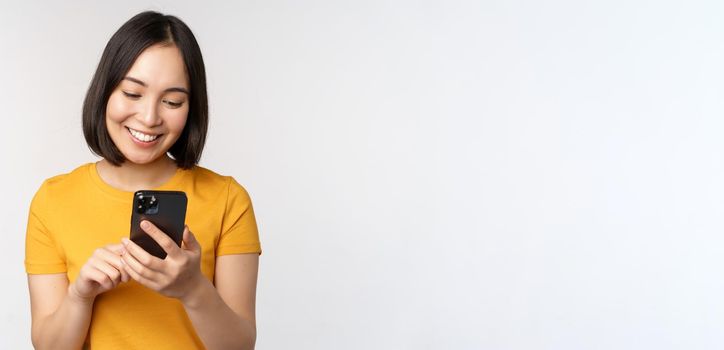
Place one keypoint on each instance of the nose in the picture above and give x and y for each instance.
(150, 114)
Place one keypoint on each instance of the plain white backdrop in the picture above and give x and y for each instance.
(427, 174)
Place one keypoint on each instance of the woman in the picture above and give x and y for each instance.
(145, 114)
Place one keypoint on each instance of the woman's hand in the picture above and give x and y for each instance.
(176, 275)
(102, 272)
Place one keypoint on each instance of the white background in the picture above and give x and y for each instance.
(427, 174)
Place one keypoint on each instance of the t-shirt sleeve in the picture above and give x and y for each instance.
(41, 252)
(239, 233)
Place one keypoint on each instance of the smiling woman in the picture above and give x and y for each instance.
(145, 119)
(145, 114)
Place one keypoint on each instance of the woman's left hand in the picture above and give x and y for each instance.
(176, 275)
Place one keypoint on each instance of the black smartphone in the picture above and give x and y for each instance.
(166, 210)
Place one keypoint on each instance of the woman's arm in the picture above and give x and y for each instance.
(224, 317)
(59, 320)
(60, 312)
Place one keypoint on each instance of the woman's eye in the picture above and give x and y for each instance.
(173, 104)
(131, 95)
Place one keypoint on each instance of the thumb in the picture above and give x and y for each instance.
(189, 240)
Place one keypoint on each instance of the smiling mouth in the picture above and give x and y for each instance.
(143, 137)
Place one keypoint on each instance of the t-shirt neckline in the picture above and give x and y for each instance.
(170, 184)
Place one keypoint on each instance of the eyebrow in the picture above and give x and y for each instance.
(140, 82)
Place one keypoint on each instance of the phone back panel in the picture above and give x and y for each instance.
(166, 210)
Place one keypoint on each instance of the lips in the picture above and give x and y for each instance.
(143, 137)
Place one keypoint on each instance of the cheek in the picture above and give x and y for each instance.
(117, 108)
(176, 120)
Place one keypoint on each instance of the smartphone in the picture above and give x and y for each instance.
(166, 210)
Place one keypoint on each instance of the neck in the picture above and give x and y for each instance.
(132, 177)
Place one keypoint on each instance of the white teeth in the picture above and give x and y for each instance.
(141, 136)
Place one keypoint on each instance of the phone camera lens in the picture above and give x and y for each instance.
(147, 205)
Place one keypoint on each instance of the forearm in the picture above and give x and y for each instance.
(66, 328)
(218, 326)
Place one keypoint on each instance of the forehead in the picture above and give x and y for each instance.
(160, 66)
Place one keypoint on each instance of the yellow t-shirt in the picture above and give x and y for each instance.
(73, 214)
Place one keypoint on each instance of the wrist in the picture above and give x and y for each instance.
(195, 295)
(76, 298)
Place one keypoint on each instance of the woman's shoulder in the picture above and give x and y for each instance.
(211, 179)
(62, 184)
(67, 179)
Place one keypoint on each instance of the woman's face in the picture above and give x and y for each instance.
(147, 111)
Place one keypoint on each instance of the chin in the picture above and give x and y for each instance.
(141, 160)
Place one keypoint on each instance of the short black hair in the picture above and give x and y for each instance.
(140, 32)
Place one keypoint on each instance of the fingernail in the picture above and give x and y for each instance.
(124, 241)
(144, 224)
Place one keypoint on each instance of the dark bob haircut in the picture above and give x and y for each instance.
(140, 32)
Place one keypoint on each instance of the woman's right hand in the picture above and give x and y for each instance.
(102, 272)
